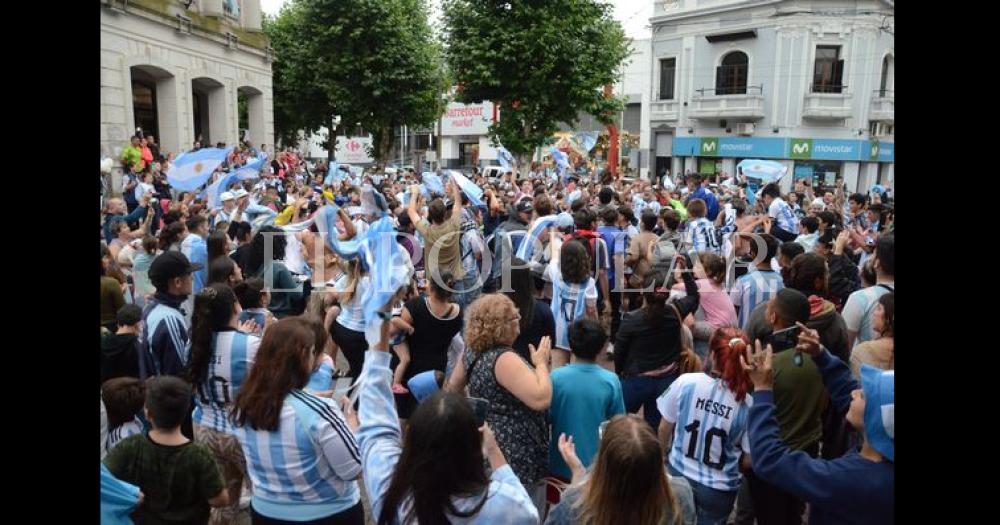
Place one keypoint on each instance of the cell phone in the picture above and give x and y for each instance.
(480, 408)
(785, 339)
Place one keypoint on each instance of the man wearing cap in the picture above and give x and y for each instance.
(855, 488)
(229, 212)
(506, 241)
(165, 331)
(251, 210)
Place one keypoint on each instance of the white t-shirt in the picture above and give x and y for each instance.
(782, 212)
(569, 302)
(859, 308)
(710, 431)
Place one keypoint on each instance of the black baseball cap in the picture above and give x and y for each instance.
(168, 265)
(525, 205)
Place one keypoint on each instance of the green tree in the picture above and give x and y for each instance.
(385, 68)
(301, 100)
(541, 61)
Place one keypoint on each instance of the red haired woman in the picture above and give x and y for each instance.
(704, 426)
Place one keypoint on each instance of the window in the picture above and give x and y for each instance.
(886, 85)
(829, 72)
(668, 67)
(731, 76)
(231, 8)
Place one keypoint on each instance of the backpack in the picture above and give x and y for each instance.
(665, 250)
(588, 238)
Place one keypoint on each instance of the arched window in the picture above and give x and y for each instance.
(887, 74)
(731, 75)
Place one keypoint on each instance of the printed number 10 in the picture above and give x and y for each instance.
(709, 436)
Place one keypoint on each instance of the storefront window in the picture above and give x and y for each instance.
(707, 166)
(823, 174)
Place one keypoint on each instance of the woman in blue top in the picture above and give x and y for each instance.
(301, 457)
(221, 357)
(858, 487)
(436, 473)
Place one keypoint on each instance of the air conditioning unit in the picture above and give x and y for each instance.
(745, 128)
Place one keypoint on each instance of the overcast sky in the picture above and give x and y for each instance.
(633, 14)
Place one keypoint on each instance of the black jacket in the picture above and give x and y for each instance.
(119, 356)
(642, 347)
(844, 279)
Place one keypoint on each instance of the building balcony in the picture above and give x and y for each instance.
(827, 103)
(748, 105)
(664, 110)
(883, 106)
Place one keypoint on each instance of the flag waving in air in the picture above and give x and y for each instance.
(192, 169)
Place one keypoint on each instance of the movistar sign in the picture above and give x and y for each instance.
(801, 149)
(710, 146)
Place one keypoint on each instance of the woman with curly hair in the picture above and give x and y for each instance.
(518, 393)
(704, 426)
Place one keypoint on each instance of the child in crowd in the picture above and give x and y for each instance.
(123, 398)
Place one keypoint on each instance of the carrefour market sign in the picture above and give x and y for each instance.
(467, 119)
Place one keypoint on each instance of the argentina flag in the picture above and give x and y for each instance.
(587, 140)
(433, 182)
(473, 192)
(251, 170)
(526, 250)
(505, 158)
(214, 191)
(192, 169)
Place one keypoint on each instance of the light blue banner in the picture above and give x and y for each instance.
(781, 148)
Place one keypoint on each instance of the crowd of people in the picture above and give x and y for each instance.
(566, 348)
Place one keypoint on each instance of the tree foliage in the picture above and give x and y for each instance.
(375, 63)
(541, 61)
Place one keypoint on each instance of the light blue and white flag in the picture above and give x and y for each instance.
(473, 192)
(526, 250)
(192, 169)
(251, 170)
(214, 191)
(767, 171)
(433, 182)
(587, 140)
(505, 158)
(334, 174)
(562, 163)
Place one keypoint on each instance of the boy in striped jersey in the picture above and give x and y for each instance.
(760, 284)
(123, 397)
(701, 233)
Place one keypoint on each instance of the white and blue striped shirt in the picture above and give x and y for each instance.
(754, 288)
(701, 235)
(380, 437)
(352, 315)
(118, 434)
(782, 212)
(710, 430)
(304, 470)
(569, 302)
(233, 354)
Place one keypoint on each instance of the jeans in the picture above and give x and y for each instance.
(469, 290)
(712, 506)
(642, 391)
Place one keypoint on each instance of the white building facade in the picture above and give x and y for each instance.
(183, 72)
(809, 84)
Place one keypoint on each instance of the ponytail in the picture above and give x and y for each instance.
(213, 309)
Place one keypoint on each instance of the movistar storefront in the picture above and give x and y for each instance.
(861, 163)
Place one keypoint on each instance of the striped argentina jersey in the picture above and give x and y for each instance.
(752, 289)
(305, 469)
(702, 237)
(710, 430)
(233, 354)
(118, 434)
(782, 212)
(569, 302)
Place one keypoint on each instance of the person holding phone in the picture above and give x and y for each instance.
(798, 392)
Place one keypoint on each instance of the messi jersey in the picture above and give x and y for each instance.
(569, 302)
(710, 430)
(233, 354)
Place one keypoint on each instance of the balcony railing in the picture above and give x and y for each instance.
(723, 103)
(827, 105)
(664, 109)
(827, 88)
(883, 106)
